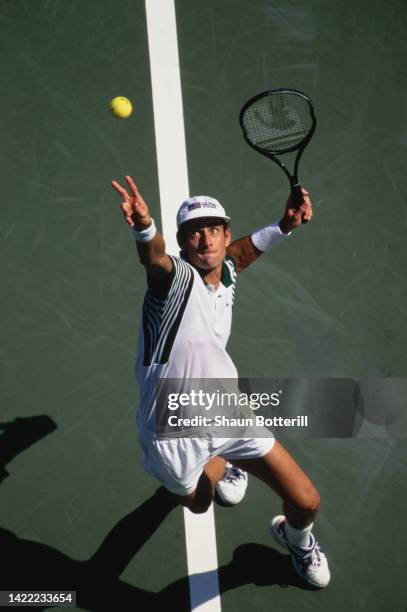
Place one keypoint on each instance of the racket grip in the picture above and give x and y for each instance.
(297, 197)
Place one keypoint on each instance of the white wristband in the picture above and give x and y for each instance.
(267, 237)
(147, 234)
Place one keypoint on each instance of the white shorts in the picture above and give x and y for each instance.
(179, 462)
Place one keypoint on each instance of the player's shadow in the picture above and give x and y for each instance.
(35, 566)
(29, 565)
(20, 434)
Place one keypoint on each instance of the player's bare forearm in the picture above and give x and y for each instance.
(243, 252)
(151, 249)
(154, 258)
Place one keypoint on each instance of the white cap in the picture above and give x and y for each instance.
(199, 207)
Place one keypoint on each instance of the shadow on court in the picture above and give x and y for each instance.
(35, 566)
(20, 434)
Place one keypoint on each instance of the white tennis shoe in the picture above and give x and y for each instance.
(311, 562)
(231, 488)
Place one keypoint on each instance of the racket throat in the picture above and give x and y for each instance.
(296, 189)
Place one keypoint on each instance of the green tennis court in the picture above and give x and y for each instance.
(77, 511)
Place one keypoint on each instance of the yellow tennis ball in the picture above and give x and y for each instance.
(121, 107)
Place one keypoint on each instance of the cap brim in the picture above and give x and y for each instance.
(209, 217)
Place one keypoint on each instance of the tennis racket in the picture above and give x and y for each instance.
(278, 122)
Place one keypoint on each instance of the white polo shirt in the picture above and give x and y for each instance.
(184, 334)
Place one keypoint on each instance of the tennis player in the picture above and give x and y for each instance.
(185, 326)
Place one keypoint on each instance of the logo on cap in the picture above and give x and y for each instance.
(194, 205)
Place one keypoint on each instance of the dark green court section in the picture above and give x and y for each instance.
(71, 295)
(332, 300)
(76, 509)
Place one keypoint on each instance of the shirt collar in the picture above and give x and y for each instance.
(225, 275)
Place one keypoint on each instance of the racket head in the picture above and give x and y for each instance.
(278, 121)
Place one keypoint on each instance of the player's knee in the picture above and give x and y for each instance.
(202, 497)
(201, 500)
(199, 507)
(315, 500)
(308, 500)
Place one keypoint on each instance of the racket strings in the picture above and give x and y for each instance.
(278, 122)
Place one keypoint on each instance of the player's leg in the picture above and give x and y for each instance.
(301, 502)
(280, 471)
(201, 498)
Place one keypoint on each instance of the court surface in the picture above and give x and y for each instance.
(77, 511)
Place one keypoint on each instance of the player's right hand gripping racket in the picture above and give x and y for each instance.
(277, 122)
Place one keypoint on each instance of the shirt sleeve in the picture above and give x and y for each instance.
(160, 288)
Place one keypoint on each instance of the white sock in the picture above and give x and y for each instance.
(298, 537)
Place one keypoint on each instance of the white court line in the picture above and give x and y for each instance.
(168, 114)
(200, 533)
